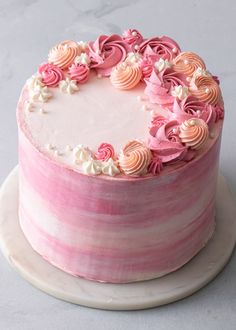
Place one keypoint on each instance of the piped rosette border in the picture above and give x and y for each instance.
(176, 81)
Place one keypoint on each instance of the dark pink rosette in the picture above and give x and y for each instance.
(164, 46)
(79, 72)
(133, 37)
(167, 144)
(160, 85)
(105, 152)
(190, 107)
(156, 165)
(106, 52)
(51, 74)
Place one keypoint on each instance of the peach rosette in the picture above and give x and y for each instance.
(194, 133)
(126, 75)
(64, 53)
(206, 89)
(187, 63)
(135, 158)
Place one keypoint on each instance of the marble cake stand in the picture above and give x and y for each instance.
(185, 281)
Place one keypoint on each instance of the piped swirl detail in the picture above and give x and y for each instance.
(135, 158)
(194, 133)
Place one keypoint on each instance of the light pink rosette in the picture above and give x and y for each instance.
(133, 37)
(79, 72)
(106, 52)
(190, 107)
(156, 165)
(167, 144)
(164, 46)
(160, 85)
(134, 158)
(105, 152)
(64, 53)
(146, 64)
(51, 74)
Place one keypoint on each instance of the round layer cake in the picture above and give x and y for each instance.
(119, 142)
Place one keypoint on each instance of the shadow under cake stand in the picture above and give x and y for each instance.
(139, 295)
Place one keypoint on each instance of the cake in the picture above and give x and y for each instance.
(119, 142)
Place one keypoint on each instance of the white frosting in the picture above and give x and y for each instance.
(162, 64)
(34, 81)
(83, 45)
(180, 92)
(110, 168)
(200, 72)
(92, 166)
(40, 94)
(132, 57)
(68, 86)
(81, 154)
(83, 58)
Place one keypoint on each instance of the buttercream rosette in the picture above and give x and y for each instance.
(79, 72)
(64, 53)
(51, 74)
(106, 52)
(160, 85)
(187, 63)
(206, 89)
(132, 37)
(166, 142)
(134, 158)
(191, 107)
(105, 152)
(126, 75)
(163, 46)
(194, 133)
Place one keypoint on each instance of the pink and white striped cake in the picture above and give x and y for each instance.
(119, 142)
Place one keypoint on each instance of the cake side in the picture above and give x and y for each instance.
(116, 231)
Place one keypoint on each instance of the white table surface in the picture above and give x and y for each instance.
(27, 31)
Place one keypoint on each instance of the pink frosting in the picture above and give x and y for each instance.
(160, 85)
(105, 152)
(190, 107)
(133, 37)
(106, 52)
(156, 123)
(164, 46)
(146, 66)
(51, 74)
(79, 72)
(156, 165)
(167, 144)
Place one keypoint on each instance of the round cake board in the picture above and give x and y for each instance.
(177, 285)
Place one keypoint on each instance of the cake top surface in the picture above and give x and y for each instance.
(121, 105)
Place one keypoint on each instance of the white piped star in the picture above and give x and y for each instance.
(68, 86)
(40, 94)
